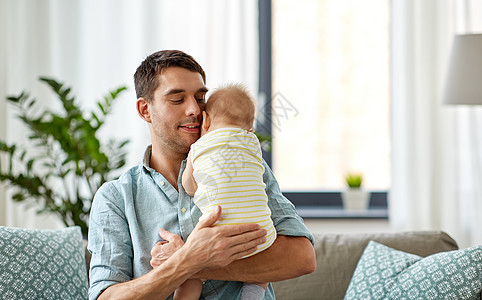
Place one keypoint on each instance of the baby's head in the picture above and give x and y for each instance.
(229, 106)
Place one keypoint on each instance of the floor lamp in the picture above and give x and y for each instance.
(464, 84)
(464, 78)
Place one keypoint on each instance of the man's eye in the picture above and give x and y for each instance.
(200, 97)
(177, 100)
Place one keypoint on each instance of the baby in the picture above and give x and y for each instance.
(224, 167)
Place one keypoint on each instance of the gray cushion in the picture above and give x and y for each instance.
(42, 264)
(337, 256)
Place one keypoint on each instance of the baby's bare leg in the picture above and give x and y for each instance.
(190, 289)
(263, 285)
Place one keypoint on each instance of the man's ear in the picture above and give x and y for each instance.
(143, 109)
(206, 121)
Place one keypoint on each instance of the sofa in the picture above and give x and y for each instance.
(53, 264)
(338, 256)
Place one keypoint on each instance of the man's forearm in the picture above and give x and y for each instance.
(288, 257)
(157, 284)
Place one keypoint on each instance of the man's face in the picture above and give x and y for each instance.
(176, 110)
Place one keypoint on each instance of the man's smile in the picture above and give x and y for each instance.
(191, 128)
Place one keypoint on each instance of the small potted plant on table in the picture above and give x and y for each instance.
(355, 198)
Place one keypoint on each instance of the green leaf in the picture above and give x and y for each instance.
(18, 197)
(101, 107)
(354, 180)
(20, 98)
(22, 156)
(96, 118)
(31, 103)
(114, 94)
(29, 165)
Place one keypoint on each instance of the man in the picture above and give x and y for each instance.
(128, 215)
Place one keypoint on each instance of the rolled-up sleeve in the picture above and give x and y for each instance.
(285, 218)
(109, 242)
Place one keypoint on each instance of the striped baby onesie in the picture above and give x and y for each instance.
(228, 170)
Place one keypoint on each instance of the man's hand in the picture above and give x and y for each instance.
(218, 245)
(164, 249)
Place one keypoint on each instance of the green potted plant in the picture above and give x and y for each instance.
(67, 163)
(355, 198)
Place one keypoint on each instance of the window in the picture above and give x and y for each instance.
(330, 87)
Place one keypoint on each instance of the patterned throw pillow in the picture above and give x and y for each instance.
(42, 264)
(386, 273)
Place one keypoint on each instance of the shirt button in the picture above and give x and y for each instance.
(183, 210)
(161, 183)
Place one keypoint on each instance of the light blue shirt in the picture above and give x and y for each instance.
(127, 213)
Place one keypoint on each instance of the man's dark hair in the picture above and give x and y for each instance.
(145, 78)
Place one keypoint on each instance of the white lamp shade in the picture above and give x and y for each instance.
(464, 79)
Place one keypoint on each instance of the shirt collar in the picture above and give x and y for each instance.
(147, 158)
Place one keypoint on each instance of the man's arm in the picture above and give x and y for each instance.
(288, 257)
(207, 247)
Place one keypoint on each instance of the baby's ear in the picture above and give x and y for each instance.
(206, 121)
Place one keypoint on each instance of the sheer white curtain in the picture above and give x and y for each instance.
(95, 46)
(436, 149)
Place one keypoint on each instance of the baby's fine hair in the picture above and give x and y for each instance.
(234, 104)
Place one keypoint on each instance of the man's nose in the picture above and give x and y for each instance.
(193, 107)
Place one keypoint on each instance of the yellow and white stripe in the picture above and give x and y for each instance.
(228, 170)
